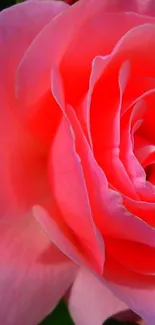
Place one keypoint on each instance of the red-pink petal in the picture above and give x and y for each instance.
(84, 17)
(142, 209)
(129, 254)
(23, 159)
(68, 190)
(144, 150)
(61, 239)
(105, 122)
(78, 63)
(111, 219)
(127, 156)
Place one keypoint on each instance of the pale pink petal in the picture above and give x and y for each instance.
(20, 24)
(26, 20)
(140, 300)
(90, 301)
(136, 290)
(82, 298)
(146, 7)
(34, 275)
(141, 6)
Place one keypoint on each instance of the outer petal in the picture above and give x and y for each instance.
(140, 300)
(26, 20)
(68, 190)
(74, 24)
(21, 162)
(91, 302)
(142, 6)
(146, 6)
(34, 275)
(136, 290)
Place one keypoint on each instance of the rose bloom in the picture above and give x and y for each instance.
(77, 167)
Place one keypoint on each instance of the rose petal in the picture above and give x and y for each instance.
(127, 156)
(34, 275)
(69, 192)
(85, 16)
(78, 63)
(141, 301)
(144, 210)
(144, 150)
(21, 154)
(105, 124)
(26, 20)
(62, 239)
(143, 110)
(90, 301)
(130, 255)
(146, 7)
(121, 52)
(111, 219)
(136, 290)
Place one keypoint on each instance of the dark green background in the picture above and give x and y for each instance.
(60, 315)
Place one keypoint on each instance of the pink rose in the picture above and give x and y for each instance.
(77, 160)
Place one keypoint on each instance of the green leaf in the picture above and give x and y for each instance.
(59, 316)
